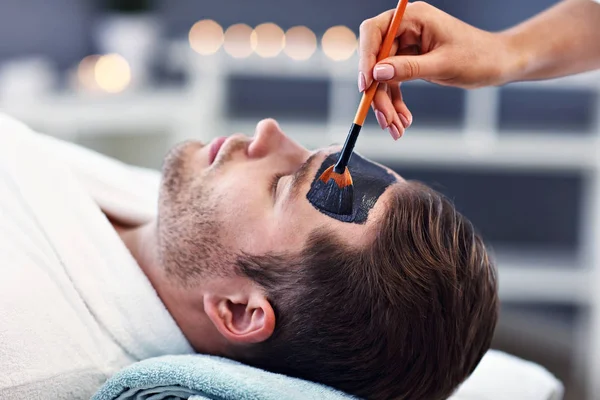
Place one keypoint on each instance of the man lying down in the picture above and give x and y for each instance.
(104, 264)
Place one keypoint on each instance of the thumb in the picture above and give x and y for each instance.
(406, 68)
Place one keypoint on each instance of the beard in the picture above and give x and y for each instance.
(189, 230)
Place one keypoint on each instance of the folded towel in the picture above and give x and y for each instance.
(499, 376)
(200, 377)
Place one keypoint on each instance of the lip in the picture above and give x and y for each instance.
(214, 148)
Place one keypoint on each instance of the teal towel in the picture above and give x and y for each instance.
(202, 377)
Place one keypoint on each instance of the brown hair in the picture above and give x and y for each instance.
(408, 317)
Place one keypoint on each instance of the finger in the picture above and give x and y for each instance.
(386, 115)
(371, 34)
(395, 95)
(406, 68)
(400, 106)
(373, 31)
(381, 87)
(409, 50)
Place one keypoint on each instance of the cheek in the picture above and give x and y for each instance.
(247, 214)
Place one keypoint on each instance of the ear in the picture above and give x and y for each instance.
(241, 319)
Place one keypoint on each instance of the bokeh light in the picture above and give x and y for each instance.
(300, 43)
(86, 72)
(339, 43)
(237, 41)
(267, 40)
(206, 37)
(112, 73)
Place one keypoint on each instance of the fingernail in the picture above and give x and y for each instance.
(394, 132)
(381, 119)
(383, 72)
(362, 82)
(405, 121)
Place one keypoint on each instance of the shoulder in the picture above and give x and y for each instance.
(13, 132)
(6, 121)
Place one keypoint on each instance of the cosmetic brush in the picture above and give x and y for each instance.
(337, 195)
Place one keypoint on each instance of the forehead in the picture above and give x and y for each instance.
(370, 173)
(368, 182)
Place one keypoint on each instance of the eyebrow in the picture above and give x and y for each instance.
(300, 176)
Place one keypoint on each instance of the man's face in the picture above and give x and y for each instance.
(243, 195)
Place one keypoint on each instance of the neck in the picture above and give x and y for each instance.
(141, 242)
(184, 305)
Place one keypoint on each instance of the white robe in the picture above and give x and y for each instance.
(74, 305)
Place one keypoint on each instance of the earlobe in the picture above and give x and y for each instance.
(241, 320)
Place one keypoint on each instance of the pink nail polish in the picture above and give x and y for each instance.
(394, 132)
(362, 82)
(383, 72)
(405, 121)
(381, 119)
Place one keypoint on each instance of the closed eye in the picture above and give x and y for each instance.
(297, 178)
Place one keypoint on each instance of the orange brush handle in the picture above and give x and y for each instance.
(367, 98)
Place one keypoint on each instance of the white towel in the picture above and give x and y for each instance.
(74, 305)
(500, 376)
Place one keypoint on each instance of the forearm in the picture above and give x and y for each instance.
(563, 40)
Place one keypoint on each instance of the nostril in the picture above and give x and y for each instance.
(253, 149)
(259, 147)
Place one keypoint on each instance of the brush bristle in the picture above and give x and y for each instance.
(342, 180)
(333, 192)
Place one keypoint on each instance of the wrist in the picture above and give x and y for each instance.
(514, 61)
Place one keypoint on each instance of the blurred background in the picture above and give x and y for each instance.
(130, 78)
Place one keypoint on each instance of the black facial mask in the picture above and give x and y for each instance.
(369, 182)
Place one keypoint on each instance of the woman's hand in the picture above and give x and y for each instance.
(430, 45)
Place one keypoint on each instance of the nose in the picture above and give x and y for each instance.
(269, 138)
